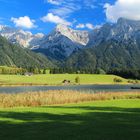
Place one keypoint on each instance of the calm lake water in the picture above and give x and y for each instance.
(84, 88)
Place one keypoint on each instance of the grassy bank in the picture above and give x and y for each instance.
(56, 79)
(99, 120)
(59, 97)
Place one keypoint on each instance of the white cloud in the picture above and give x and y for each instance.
(24, 22)
(55, 2)
(65, 9)
(50, 17)
(87, 25)
(89, 4)
(129, 9)
(80, 26)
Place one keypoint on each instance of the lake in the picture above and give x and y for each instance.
(84, 88)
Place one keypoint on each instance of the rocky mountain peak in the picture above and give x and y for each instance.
(128, 25)
(61, 28)
(1, 27)
(77, 36)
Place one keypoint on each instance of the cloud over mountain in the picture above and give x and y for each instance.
(50, 17)
(82, 26)
(129, 9)
(24, 22)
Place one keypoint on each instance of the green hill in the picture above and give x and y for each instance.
(13, 55)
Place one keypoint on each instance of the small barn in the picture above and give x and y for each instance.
(28, 74)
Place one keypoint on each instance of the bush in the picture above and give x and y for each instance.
(136, 81)
(129, 81)
(77, 80)
(133, 82)
(117, 80)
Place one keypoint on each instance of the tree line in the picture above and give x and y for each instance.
(10, 70)
(125, 73)
(21, 71)
(76, 71)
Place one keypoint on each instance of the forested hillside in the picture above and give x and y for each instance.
(13, 55)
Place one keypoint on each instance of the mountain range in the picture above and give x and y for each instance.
(59, 44)
(108, 46)
(112, 46)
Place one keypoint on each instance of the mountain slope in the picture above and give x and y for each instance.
(62, 42)
(14, 55)
(114, 46)
(107, 55)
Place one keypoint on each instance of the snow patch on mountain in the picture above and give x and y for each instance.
(23, 38)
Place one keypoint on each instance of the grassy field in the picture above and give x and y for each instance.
(99, 120)
(56, 79)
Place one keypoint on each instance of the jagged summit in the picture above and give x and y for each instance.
(61, 27)
(1, 27)
(64, 40)
(18, 36)
(123, 30)
(124, 20)
(80, 37)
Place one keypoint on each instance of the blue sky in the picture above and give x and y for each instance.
(43, 15)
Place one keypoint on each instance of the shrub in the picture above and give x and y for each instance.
(77, 80)
(136, 81)
(117, 80)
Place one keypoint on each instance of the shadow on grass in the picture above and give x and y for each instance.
(96, 123)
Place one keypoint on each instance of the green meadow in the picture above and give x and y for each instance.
(98, 120)
(56, 79)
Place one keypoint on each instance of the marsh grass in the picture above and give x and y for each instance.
(59, 97)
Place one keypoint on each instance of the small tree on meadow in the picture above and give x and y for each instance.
(77, 80)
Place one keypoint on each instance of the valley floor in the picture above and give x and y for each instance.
(57, 79)
(98, 120)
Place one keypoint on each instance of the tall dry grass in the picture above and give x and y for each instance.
(59, 97)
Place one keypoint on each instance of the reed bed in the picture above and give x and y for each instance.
(59, 97)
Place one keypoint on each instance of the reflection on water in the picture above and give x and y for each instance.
(85, 88)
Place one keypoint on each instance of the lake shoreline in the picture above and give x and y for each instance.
(88, 88)
(32, 84)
